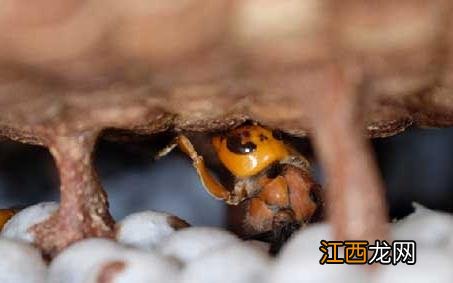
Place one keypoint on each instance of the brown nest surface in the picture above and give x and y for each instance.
(336, 71)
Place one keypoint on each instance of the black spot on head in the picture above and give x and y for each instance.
(277, 134)
(235, 145)
(263, 137)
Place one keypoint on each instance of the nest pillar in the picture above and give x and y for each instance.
(83, 210)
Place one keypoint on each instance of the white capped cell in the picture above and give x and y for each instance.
(21, 263)
(190, 243)
(89, 260)
(18, 227)
(236, 263)
(145, 230)
(299, 260)
(428, 228)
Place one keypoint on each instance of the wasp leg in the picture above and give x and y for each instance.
(212, 186)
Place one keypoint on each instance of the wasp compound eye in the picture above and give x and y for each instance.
(235, 145)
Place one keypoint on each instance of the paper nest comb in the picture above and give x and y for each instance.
(305, 67)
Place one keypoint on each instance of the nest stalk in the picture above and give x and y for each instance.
(83, 210)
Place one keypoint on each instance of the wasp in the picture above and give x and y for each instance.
(272, 178)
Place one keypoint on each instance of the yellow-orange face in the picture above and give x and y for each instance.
(249, 149)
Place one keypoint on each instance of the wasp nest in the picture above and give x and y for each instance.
(336, 71)
(155, 247)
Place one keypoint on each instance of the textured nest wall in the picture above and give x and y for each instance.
(337, 71)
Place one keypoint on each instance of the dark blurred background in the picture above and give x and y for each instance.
(416, 166)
